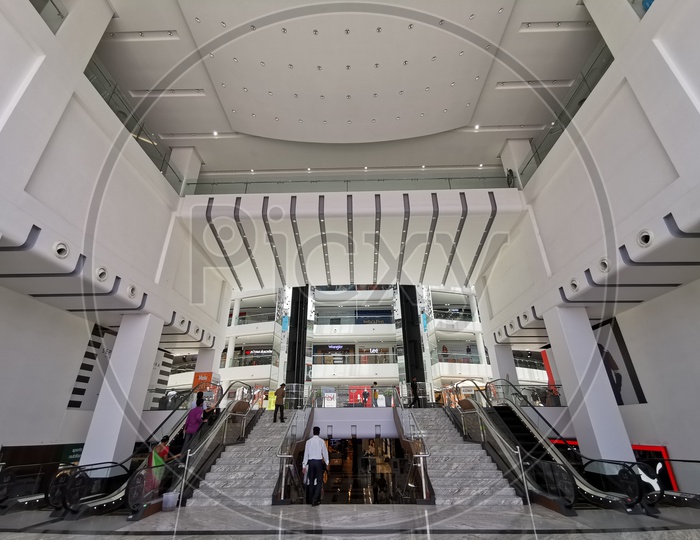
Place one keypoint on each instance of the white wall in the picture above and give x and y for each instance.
(42, 349)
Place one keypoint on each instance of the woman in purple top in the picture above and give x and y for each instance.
(193, 422)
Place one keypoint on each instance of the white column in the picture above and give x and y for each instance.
(502, 362)
(616, 21)
(187, 161)
(208, 360)
(594, 412)
(478, 333)
(232, 339)
(513, 156)
(114, 426)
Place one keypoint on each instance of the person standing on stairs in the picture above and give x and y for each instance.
(315, 461)
(279, 403)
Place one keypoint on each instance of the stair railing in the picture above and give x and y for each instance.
(296, 434)
(410, 433)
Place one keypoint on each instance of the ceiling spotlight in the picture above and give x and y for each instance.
(252, 27)
(476, 126)
(401, 92)
(476, 78)
(211, 55)
(427, 88)
(235, 59)
(434, 58)
(253, 115)
(262, 64)
(444, 110)
(233, 111)
(269, 93)
(141, 34)
(252, 170)
(468, 104)
(348, 96)
(284, 30)
(365, 168)
(113, 35)
(223, 24)
(277, 118)
(290, 66)
(529, 25)
(442, 21)
(223, 85)
(553, 123)
(488, 47)
(379, 29)
(315, 32)
(296, 95)
(452, 84)
(405, 62)
(461, 53)
(481, 164)
(422, 114)
(471, 17)
(197, 19)
(301, 121)
(325, 121)
(319, 68)
(323, 97)
(422, 166)
(215, 133)
(376, 66)
(347, 31)
(245, 89)
(500, 10)
(398, 118)
(170, 33)
(347, 67)
(349, 121)
(309, 169)
(375, 95)
(558, 24)
(410, 26)
(374, 120)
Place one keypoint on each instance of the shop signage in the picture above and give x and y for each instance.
(329, 399)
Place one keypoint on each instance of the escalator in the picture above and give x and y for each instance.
(596, 482)
(43, 486)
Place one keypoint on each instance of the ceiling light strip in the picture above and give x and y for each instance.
(404, 233)
(377, 233)
(324, 240)
(458, 234)
(244, 237)
(489, 223)
(271, 239)
(220, 243)
(431, 234)
(351, 242)
(297, 240)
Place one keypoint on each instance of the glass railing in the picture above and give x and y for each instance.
(355, 358)
(251, 360)
(449, 358)
(317, 183)
(528, 363)
(255, 318)
(444, 315)
(351, 318)
(168, 399)
(353, 396)
(53, 12)
(583, 85)
(146, 139)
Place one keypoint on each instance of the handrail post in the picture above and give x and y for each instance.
(184, 476)
(421, 463)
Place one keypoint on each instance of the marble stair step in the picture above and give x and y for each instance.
(230, 503)
(241, 479)
(474, 486)
(480, 472)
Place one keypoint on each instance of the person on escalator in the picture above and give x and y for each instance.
(193, 423)
(157, 459)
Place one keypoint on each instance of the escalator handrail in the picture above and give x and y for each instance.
(554, 452)
(401, 410)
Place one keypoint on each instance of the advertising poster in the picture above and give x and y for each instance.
(360, 396)
(618, 364)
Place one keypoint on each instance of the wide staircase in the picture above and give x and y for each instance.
(245, 474)
(461, 472)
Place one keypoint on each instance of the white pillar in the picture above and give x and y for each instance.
(502, 362)
(235, 312)
(187, 161)
(594, 412)
(478, 333)
(513, 156)
(208, 360)
(616, 21)
(114, 426)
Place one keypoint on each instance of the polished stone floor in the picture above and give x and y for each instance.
(387, 522)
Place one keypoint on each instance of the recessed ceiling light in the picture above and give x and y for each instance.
(461, 53)
(481, 164)
(211, 54)
(284, 30)
(401, 92)
(290, 66)
(277, 118)
(325, 121)
(223, 85)
(468, 104)
(444, 110)
(197, 19)
(374, 120)
(301, 121)
(488, 47)
(422, 114)
(322, 97)
(410, 26)
(253, 115)
(398, 118)
(215, 133)
(296, 95)
(348, 96)
(233, 111)
(427, 88)
(309, 169)
(500, 10)
(170, 33)
(347, 67)
(553, 123)
(315, 32)
(476, 126)
(269, 93)
(476, 78)
(319, 68)
(223, 24)
(262, 64)
(365, 168)
(375, 95)
(245, 89)
(442, 21)
(141, 34)
(471, 17)
(434, 58)
(252, 27)
(379, 29)
(347, 31)
(422, 166)
(376, 66)
(349, 121)
(252, 170)
(558, 24)
(452, 84)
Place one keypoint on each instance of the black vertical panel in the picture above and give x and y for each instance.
(410, 318)
(296, 358)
